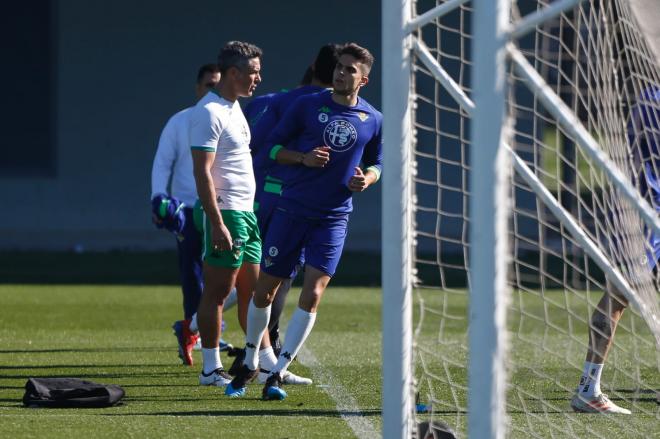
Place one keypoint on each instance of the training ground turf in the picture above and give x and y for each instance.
(121, 335)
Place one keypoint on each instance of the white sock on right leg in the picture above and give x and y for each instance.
(211, 360)
(300, 326)
(257, 323)
(267, 358)
(590, 380)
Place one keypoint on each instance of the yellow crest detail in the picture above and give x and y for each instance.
(363, 116)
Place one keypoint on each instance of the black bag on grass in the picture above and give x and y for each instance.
(70, 392)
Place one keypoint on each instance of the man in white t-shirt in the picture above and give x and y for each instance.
(173, 195)
(222, 166)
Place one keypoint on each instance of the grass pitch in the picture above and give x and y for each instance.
(121, 335)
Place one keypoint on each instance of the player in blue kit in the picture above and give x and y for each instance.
(268, 174)
(323, 137)
(644, 140)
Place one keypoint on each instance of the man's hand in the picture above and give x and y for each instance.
(220, 238)
(358, 181)
(317, 158)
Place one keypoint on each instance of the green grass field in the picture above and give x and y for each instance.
(121, 335)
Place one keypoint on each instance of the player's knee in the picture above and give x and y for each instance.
(264, 299)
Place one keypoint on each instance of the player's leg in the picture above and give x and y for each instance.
(604, 321)
(218, 283)
(280, 255)
(300, 326)
(278, 308)
(258, 315)
(276, 312)
(189, 250)
(322, 253)
(221, 269)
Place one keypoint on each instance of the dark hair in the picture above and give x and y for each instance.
(325, 62)
(206, 68)
(237, 54)
(307, 76)
(359, 53)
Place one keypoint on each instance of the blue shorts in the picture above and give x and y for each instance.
(290, 236)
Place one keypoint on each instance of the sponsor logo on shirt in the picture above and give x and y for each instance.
(340, 135)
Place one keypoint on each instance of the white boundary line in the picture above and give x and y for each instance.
(347, 406)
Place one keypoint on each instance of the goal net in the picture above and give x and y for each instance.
(575, 229)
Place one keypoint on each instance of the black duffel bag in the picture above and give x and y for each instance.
(70, 392)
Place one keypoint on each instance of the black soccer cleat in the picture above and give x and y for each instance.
(273, 388)
(243, 376)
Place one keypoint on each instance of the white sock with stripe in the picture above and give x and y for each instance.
(300, 326)
(257, 323)
(267, 358)
(590, 380)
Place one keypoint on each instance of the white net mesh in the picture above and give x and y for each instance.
(595, 58)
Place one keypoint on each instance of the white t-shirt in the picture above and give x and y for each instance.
(217, 125)
(174, 160)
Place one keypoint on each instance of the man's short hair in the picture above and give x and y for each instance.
(359, 53)
(206, 68)
(237, 54)
(325, 62)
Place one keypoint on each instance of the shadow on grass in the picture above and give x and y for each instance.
(81, 366)
(98, 376)
(84, 350)
(266, 412)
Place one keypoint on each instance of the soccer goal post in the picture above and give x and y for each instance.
(522, 146)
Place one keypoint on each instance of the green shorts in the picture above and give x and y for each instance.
(245, 234)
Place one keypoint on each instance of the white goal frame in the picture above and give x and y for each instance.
(491, 51)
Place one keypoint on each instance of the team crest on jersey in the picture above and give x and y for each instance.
(363, 116)
(340, 135)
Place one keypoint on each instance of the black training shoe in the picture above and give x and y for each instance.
(273, 388)
(236, 388)
(238, 361)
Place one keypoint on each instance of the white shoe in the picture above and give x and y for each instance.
(287, 378)
(596, 404)
(218, 378)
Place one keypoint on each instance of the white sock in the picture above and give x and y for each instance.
(590, 380)
(300, 326)
(267, 358)
(211, 360)
(257, 323)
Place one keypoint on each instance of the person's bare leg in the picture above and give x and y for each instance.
(604, 321)
(602, 327)
(218, 282)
